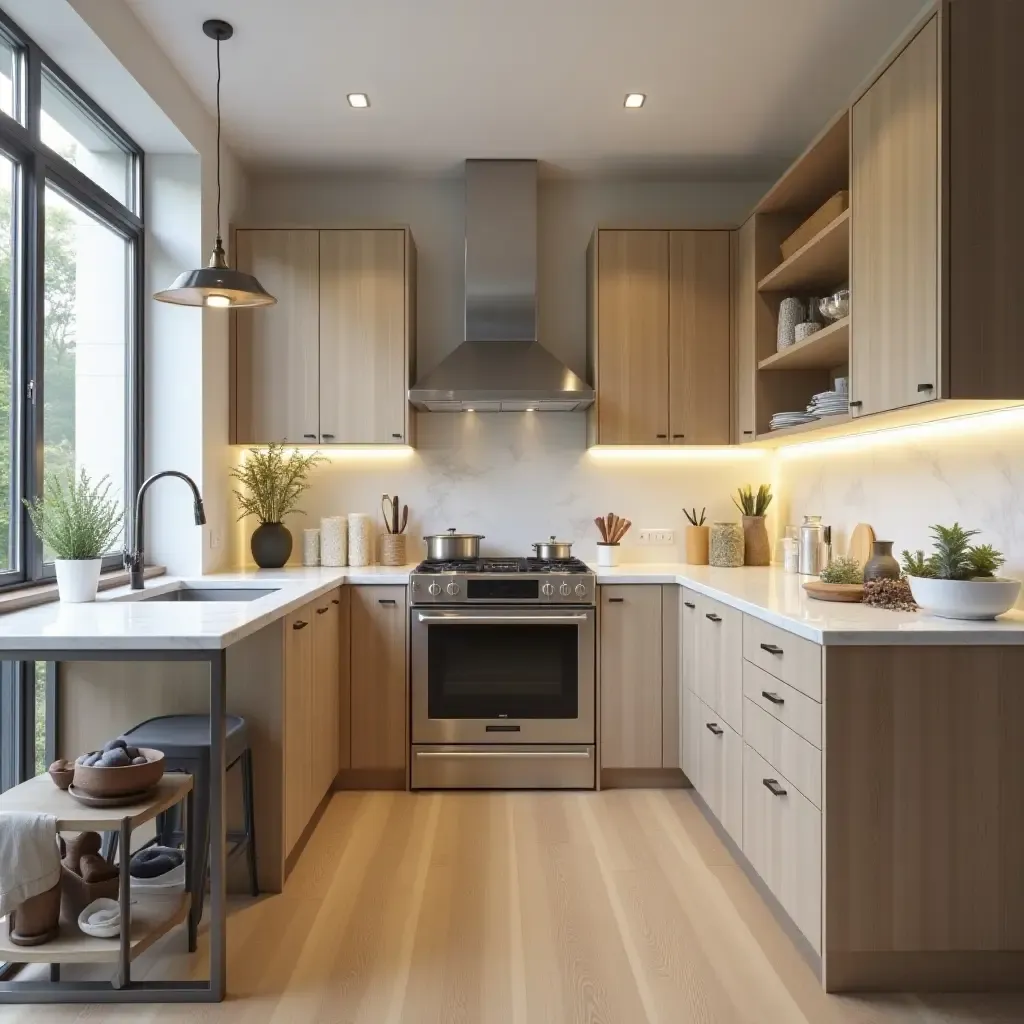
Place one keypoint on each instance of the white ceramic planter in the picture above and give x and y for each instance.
(78, 579)
(964, 599)
(607, 554)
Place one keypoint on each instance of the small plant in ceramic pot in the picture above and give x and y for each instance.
(754, 506)
(272, 486)
(697, 537)
(79, 522)
(958, 579)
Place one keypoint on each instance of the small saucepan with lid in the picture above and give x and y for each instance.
(452, 546)
(553, 550)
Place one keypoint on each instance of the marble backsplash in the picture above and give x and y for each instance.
(517, 479)
(969, 470)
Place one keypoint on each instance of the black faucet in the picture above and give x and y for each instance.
(134, 561)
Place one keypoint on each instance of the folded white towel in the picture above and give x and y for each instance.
(29, 858)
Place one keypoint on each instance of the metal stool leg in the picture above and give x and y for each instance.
(249, 818)
(190, 824)
(199, 841)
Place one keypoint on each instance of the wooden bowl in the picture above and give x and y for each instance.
(848, 592)
(132, 778)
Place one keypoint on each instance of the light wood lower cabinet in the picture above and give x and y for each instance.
(720, 659)
(299, 714)
(379, 669)
(782, 841)
(721, 770)
(692, 725)
(325, 752)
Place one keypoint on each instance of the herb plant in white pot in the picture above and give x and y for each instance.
(958, 580)
(79, 522)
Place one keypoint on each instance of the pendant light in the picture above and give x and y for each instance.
(217, 284)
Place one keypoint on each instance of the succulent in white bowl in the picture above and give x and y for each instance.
(958, 580)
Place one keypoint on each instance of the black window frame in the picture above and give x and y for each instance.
(38, 167)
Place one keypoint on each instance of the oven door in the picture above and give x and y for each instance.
(502, 675)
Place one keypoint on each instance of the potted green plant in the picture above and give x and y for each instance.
(272, 484)
(756, 549)
(79, 522)
(958, 579)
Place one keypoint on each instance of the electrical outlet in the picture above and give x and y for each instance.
(216, 538)
(658, 538)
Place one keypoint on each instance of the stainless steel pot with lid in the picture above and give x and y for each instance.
(553, 550)
(452, 546)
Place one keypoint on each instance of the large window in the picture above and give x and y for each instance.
(71, 238)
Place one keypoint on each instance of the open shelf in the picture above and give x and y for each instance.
(824, 262)
(41, 796)
(152, 917)
(803, 428)
(825, 350)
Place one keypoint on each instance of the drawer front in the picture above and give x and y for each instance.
(720, 659)
(784, 702)
(782, 840)
(692, 726)
(721, 771)
(784, 749)
(786, 656)
(691, 643)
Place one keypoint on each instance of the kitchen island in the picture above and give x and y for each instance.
(131, 654)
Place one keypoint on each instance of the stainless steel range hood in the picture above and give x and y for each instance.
(501, 367)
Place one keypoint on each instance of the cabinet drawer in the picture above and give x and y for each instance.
(720, 659)
(721, 770)
(787, 657)
(692, 724)
(782, 840)
(784, 749)
(784, 702)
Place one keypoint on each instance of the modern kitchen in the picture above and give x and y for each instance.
(512, 513)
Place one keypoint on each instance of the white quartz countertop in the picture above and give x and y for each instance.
(121, 620)
(779, 598)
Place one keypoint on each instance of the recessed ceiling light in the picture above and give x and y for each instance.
(634, 99)
(361, 100)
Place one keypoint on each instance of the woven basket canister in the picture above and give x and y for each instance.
(392, 549)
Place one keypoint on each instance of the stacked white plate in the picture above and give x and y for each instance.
(829, 403)
(790, 419)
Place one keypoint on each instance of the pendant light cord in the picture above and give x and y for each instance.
(218, 143)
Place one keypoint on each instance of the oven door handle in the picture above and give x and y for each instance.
(519, 754)
(501, 620)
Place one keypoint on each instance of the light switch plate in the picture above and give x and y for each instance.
(657, 538)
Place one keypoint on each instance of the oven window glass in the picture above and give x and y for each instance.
(507, 671)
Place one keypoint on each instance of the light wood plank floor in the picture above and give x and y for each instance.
(613, 908)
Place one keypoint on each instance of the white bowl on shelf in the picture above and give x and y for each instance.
(965, 599)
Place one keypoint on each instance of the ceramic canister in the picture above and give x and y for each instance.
(361, 539)
(334, 541)
(311, 547)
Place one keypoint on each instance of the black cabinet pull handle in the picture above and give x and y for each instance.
(309, 437)
(327, 437)
(616, 600)
(299, 625)
(335, 600)
(679, 435)
(771, 648)
(925, 387)
(399, 436)
(747, 433)
(689, 604)
(856, 405)
(384, 600)
(773, 787)
(661, 436)
(773, 697)
(712, 617)
(714, 727)
(321, 611)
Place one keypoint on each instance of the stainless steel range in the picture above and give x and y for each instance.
(503, 678)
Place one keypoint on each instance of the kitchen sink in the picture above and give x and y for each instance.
(229, 594)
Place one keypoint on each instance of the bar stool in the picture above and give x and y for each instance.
(185, 742)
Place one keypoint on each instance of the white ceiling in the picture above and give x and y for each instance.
(734, 86)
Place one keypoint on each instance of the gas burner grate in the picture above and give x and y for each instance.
(504, 566)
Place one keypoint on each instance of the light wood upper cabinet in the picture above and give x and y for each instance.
(631, 361)
(276, 363)
(699, 334)
(379, 658)
(895, 217)
(332, 362)
(364, 356)
(631, 676)
(744, 334)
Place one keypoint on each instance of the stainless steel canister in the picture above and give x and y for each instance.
(812, 536)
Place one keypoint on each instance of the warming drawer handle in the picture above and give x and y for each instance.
(500, 620)
(773, 697)
(524, 755)
(773, 787)
(712, 617)
(771, 648)
(714, 727)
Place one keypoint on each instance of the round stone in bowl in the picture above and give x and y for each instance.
(123, 780)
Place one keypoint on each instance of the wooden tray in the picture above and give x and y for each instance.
(848, 592)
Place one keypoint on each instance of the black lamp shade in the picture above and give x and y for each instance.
(217, 285)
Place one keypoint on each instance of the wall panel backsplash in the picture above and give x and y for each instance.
(901, 482)
(520, 478)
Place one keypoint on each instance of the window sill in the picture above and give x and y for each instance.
(44, 593)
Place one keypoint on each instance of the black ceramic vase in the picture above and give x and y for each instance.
(882, 565)
(271, 545)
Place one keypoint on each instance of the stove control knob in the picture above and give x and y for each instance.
(547, 590)
(581, 590)
(452, 588)
(565, 590)
(434, 589)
